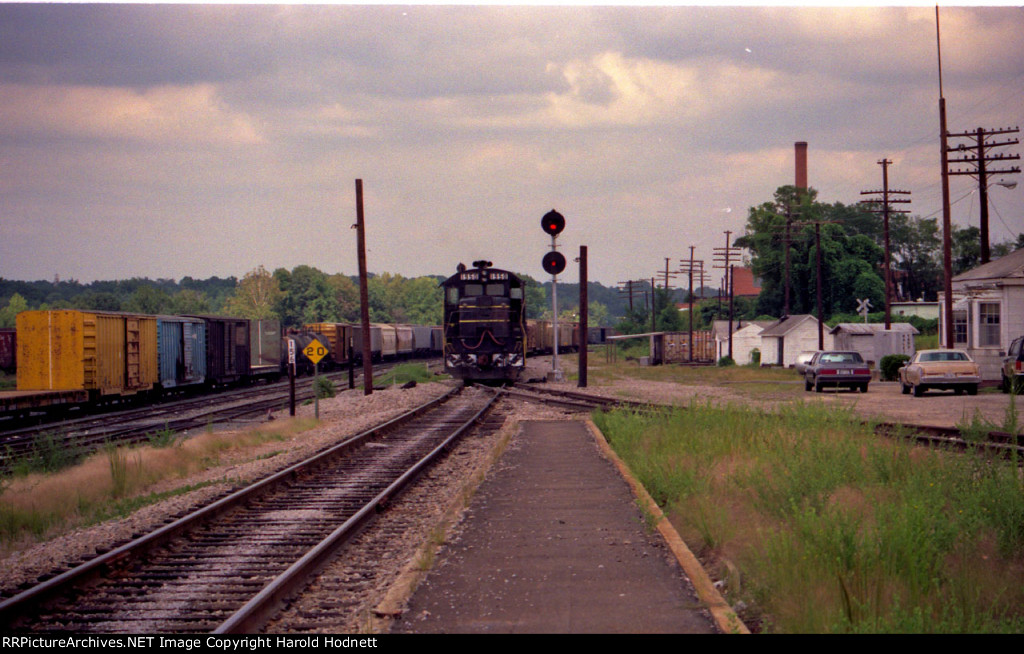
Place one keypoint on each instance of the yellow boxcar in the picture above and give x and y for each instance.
(102, 352)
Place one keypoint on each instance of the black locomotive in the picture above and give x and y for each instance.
(484, 326)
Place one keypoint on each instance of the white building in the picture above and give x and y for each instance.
(746, 337)
(988, 311)
(873, 341)
(784, 339)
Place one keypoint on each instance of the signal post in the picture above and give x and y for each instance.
(554, 263)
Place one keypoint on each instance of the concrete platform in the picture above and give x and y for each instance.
(554, 542)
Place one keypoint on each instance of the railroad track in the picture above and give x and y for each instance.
(227, 567)
(573, 400)
(998, 441)
(92, 432)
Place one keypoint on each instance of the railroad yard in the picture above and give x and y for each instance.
(366, 589)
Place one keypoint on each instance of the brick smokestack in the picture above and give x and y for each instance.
(801, 164)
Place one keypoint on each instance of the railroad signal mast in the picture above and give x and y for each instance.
(554, 263)
(885, 211)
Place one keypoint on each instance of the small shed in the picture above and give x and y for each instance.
(746, 337)
(784, 339)
(873, 341)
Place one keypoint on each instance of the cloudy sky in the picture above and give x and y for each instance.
(171, 141)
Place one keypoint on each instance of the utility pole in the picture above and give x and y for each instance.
(364, 297)
(689, 266)
(817, 262)
(885, 211)
(723, 259)
(947, 241)
(976, 155)
(584, 318)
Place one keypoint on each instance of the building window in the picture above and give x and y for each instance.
(988, 328)
(960, 327)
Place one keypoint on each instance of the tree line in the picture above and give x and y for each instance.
(296, 297)
(852, 254)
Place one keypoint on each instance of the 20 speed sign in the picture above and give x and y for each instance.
(315, 351)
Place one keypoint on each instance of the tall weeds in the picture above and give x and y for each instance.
(833, 528)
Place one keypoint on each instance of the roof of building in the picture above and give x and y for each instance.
(1009, 266)
(721, 327)
(787, 324)
(872, 328)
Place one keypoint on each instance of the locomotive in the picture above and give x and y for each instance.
(484, 327)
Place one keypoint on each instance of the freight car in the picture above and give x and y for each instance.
(484, 330)
(105, 354)
(81, 358)
(8, 349)
(181, 352)
(541, 336)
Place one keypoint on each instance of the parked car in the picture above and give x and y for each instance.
(802, 360)
(839, 369)
(940, 370)
(1012, 375)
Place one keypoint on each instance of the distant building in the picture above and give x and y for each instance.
(784, 339)
(926, 310)
(873, 341)
(744, 284)
(746, 337)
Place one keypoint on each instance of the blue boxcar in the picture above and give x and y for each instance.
(181, 348)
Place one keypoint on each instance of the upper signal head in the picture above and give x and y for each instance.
(553, 222)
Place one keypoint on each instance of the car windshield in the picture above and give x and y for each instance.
(840, 357)
(943, 356)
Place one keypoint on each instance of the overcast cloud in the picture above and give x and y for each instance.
(165, 141)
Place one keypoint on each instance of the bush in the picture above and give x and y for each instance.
(890, 364)
(324, 388)
(726, 361)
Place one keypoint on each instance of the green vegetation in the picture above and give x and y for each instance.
(890, 364)
(49, 494)
(833, 529)
(405, 373)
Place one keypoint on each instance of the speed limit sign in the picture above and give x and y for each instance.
(315, 351)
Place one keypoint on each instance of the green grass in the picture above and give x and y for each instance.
(405, 373)
(834, 529)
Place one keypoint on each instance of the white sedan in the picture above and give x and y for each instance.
(940, 370)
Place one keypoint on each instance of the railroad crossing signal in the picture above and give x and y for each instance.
(315, 351)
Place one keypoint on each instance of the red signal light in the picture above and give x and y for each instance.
(553, 263)
(553, 222)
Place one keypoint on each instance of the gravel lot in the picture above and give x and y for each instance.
(352, 412)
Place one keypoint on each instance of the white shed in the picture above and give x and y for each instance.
(873, 340)
(783, 340)
(746, 337)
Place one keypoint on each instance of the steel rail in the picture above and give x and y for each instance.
(20, 604)
(262, 607)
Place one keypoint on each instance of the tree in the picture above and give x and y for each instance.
(148, 298)
(8, 314)
(306, 297)
(850, 249)
(256, 296)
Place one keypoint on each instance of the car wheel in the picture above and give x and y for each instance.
(972, 389)
(808, 385)
(906, 389)
(918, 390)
(818, 387)
(864, 388)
